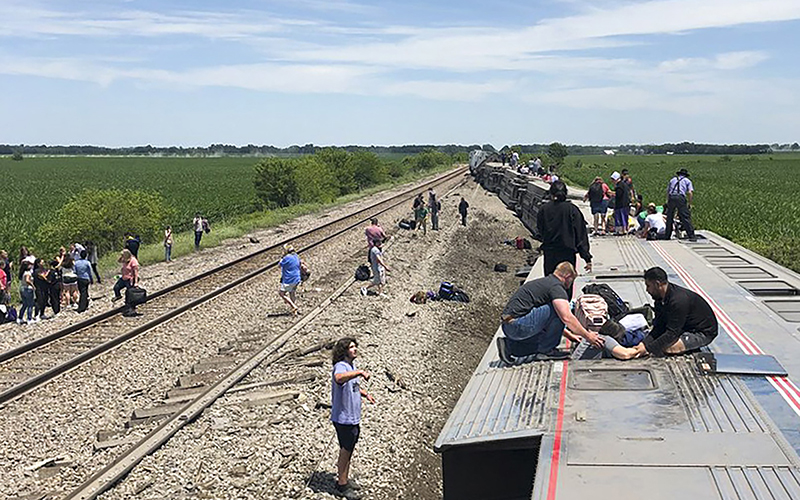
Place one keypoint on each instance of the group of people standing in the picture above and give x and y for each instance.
(626, 203)
(62, 282)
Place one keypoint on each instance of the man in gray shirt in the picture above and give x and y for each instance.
(535, 317)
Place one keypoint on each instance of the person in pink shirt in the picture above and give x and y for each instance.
(129, 276)
(374, 232)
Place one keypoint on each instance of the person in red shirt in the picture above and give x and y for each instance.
(374, 232)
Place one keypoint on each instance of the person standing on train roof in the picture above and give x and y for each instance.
(562, 231)
(597, 195)
(622, 204)
(535, 316)
(626, 176)
(346, 394)
(684, 321)
(680, 193)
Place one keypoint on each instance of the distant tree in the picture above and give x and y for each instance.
(17, 155)
(557, 152)
(368, 169)
(795, 146)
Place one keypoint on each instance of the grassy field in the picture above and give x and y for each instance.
(750, 200)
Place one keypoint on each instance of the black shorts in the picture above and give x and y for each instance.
(347, 435)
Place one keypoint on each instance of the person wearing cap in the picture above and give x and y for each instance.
(622, 204)
(680, 193)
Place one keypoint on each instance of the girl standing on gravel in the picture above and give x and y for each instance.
(346, 397)
(290, 277)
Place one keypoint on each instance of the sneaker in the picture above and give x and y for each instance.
(364, 291)
(554, 354)
(19, 321)
(353, 485)
(345, 491)
(383, 295)
(502, 351)
(116, 298)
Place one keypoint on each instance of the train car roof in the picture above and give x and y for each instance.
(656, 427)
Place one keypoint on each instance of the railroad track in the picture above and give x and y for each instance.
(267, 354)
(34, 364)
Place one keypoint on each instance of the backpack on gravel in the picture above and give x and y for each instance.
(449, 291)
(419, 297)
(592, 311)
(11, 315)
(362, 272)
(617, 308)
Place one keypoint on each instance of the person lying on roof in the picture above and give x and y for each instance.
(535, 317)
(684, 321)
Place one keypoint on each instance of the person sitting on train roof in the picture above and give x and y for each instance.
(535, 317)
(654, 226)
(683, 322)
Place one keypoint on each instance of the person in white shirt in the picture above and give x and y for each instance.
(654, 227)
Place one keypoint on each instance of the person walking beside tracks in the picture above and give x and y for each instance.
(433, 208)
(535, 316)
(684, 321)
(462, 209)
(346, 394)
(680, 193)
(373, 232)
(290, 277)
(129, 276)
(83, 269)
(91, 251)
(562, 230)
(379, 269)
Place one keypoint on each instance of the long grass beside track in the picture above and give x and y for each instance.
(751, 200)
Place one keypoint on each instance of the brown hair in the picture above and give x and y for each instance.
(565, 270)
(340, 349)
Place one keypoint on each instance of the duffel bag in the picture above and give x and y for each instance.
(135, 295)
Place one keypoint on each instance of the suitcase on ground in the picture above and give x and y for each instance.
(135, 295)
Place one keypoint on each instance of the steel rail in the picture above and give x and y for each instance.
(36, 381)
(107, 477)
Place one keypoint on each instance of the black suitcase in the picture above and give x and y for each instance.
(135, 295)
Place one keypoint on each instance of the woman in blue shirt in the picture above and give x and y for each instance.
(290, 277)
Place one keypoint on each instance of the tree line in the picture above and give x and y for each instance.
(19, 151)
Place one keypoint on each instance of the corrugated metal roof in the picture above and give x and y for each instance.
(502, 403)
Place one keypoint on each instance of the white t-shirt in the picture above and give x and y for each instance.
(656, 221)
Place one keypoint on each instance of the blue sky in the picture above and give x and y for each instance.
(282, 72)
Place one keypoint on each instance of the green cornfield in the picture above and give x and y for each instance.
(34, 188)
(751, 200)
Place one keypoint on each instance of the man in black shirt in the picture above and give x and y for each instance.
(535, 316)
(562, 230)
(684, 321)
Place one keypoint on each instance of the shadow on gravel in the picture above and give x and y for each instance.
(322, 482)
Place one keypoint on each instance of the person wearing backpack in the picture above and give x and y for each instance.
(683, 321)
(562, 230)
(598, 196)
(535, 316)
